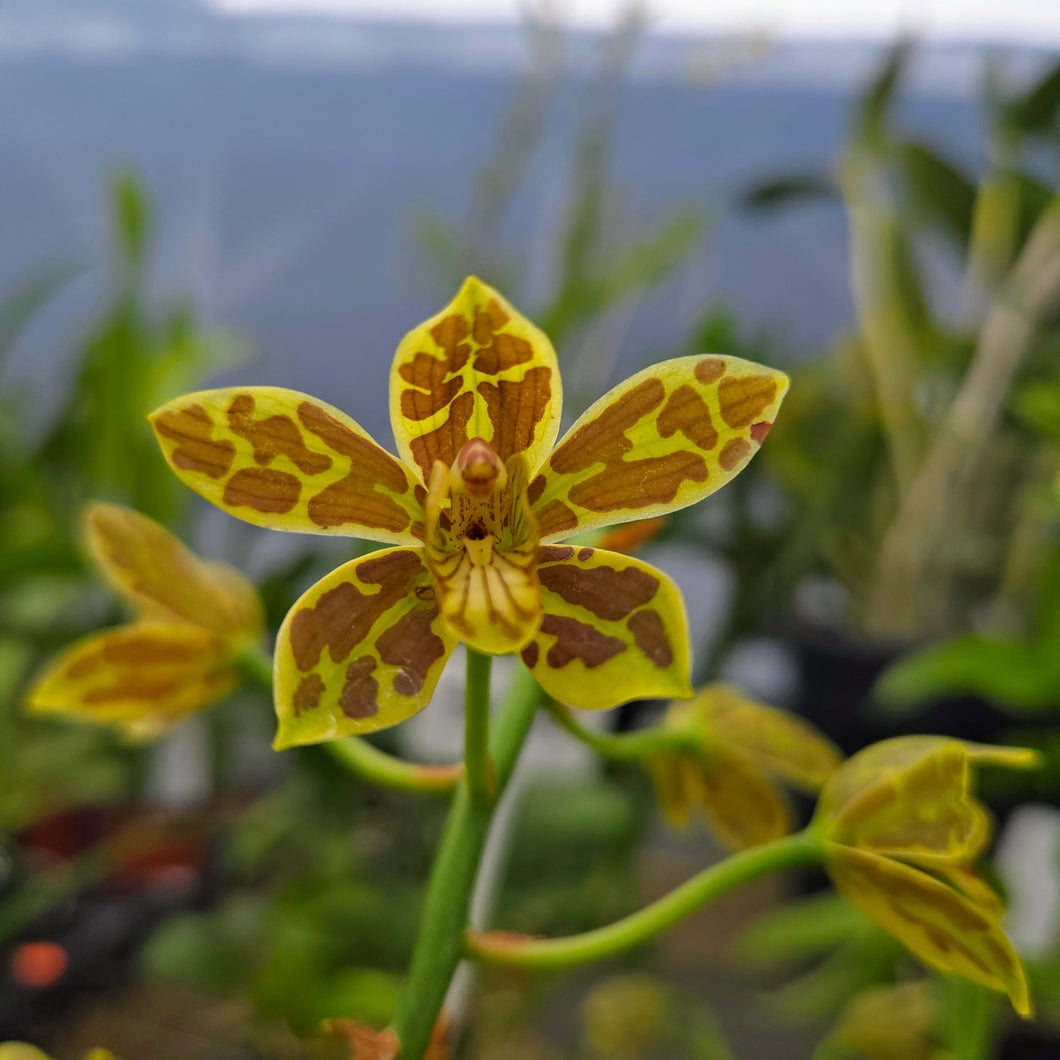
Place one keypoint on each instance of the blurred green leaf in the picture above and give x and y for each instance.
(873, 107)
(131, 221)
(794, 189)
(1035, 111)
(939, 192)
(22, 303)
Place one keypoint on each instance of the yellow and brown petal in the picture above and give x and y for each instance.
(942, 927)
(142, 676)
(908, 797)
(281, 459)
(164, 580)
(665, 438)
(613, 629)
(477, 369)
(740, 805)
(361, 650)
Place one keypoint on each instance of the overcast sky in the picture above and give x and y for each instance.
(1024, 21)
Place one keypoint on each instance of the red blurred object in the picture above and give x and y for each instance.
(37, 965)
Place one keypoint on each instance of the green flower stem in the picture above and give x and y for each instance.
(359, 756)
(377, 767)
(522, 951)
(481, 785)
(444, 918)
(625, 746)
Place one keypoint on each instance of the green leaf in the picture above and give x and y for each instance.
(793, 189)
(874, 106)
(131, 219)
(797, 930)
(1017, 675)
(939, 192)
(1036, 110)
(27, 296)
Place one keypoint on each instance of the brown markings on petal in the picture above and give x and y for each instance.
(421, 405)
(530, 654)
(554, 553)
(760, 430)
(555, 517)
(264, 490)
(536, 488)
(354, 498)
(607, 593)
(743, 400)
(506, 351)
(515, 408)
(637, 483)
(342, 617)
(449, 334)
(360, 693)
(709, 369)
(578, 640)
(412, 645)
(192, 429)
(135, 686)
(272, 437)
(733, 453)
(376, 464)
(687, 412)
(603, 439)
(649, 632)
(585, 553)
(488, 319)
(141, 651)
(445, 441)
(307, 694)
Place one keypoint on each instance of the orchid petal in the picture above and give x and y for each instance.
(614, 629)
(280, 459)
(361, 650)
(477, 369)
(665, 438)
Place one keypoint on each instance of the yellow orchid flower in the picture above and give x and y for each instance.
(193, 619)
(735, 746)
(901, 832)
(898, 1021)
(475, 507)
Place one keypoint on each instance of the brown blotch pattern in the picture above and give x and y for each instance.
(709, 370)
(555, 517)
(192, 429)
(342, 617)
(360, 693)
(530, 654)
(607, 593)
(554, 553)
(354, 498)
(578, 640)
(444, 442)
(733, 453)
(649, 633)
(638, 483)
(585, 554)
(603, 439)
(307, 694)
(687, 412)
(264, 490)
(273, 436)
(742, 401)
(413, 646)
(515, 408)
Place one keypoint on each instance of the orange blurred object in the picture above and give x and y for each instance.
(39, 964)
(629, 537)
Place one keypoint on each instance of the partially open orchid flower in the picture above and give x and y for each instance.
(735, 748)
(902, 831)
(475, 505)
(193, 618)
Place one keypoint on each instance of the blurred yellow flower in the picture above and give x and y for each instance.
(193, 618)
(893, 1022)
(901, 831)
(734, 748)
(22, 1051)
